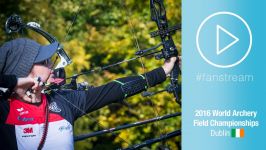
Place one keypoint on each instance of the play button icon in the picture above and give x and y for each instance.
(224, 40)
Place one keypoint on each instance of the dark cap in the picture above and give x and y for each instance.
(18, 56)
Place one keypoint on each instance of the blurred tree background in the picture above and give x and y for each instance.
(105, 32)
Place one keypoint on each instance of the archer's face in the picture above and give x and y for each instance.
(43, 71)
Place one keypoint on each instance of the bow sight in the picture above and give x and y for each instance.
(14, 24)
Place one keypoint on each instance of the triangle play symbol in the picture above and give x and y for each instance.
(232, 37)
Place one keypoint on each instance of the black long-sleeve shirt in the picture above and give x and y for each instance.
(21, 124)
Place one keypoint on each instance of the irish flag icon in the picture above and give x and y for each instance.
(237, 133)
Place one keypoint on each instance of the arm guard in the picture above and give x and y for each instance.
(134, 86)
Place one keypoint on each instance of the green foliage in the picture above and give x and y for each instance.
(105, 32)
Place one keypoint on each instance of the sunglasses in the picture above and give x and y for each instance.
(50, 63)
(47, 63)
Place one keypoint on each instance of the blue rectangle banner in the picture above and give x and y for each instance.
(224, 84)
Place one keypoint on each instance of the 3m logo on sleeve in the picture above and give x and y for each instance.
(238, 133)
(28, 130)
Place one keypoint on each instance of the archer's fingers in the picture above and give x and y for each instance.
(180, 61)
(33, 98)
(35, 85)
(27, 99)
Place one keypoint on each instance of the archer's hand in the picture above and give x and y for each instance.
(169, 65)
(22, 87)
